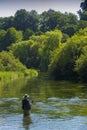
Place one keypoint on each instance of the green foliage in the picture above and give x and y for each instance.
(82, 32)
(36, 52)
(2, 38)
(6, 22)
(83, 11)
(13, 75)
(2, 35)
(83, 5)
(26, 20)
(51, 20)
(51, 42)
(64, 61)
(31, 73)
(10, 75)
(65, 37)
(42, 48)
(81, 65)
(53, 39)
(9, 37)
(13, 36)
(83, 16)
(21, 17)
(27, 34)
(82, 24)
(70, 29)
(39, 39)
(39, 23)
(27, 52)
(9, 63)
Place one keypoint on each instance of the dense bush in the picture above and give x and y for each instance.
(68, 56)
(9, 63)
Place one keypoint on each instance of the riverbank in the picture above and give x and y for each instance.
(13, 75)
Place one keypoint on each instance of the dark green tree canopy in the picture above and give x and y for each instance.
(39, 23)
(8, 37)
(83, 5)
(83, 11)
(26, 20)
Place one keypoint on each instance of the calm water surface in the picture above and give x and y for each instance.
(57, 105)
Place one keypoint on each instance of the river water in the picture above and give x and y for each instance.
(57, 105)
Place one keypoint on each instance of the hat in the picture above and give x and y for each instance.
(26, 96)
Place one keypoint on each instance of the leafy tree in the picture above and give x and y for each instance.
(36, 51)
(83, 11)
(1, 22)
(27, 34)
(20, 20)
(83, 15)
(62, 64)
(51, 42)
(27, 52)
(2, 38)
(48, 20)
(69, 29)
(83, 5)
(51, 20)
(64, 60)
(81, 65)
(26, 20)
(72, 18)
(82, 32)
(8, 22)
(82, 24)
(34, 20)
(39, 39)
(65, 37)
(9, 63)
(53, 39)
(12, 36)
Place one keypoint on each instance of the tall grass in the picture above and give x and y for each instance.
(10, 75)
(13, 75)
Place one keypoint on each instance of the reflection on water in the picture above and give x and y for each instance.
(26, 122)
(57, 105)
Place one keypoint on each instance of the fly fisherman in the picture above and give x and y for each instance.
(26, 105)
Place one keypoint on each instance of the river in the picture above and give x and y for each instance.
(57, 105)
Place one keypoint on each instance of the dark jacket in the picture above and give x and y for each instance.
(26, 104)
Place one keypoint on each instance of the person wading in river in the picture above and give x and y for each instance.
(26, 105)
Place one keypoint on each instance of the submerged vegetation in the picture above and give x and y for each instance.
(51, 42)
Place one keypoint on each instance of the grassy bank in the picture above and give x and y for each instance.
(12, 75)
